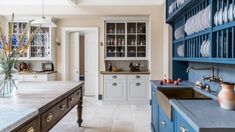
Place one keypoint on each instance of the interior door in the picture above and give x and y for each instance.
(74, 56)
(91, 63)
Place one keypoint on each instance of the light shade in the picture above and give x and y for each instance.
(43, 22)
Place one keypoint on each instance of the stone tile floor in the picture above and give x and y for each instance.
(99, 117)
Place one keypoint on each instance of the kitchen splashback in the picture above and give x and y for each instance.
(124, 64)
(32, 65)
(227, 72)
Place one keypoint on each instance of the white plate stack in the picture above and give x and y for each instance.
(180, 51)
(205, 48)
(179, 32)
(224, 15)
(199, 21)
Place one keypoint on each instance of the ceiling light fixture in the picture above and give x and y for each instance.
(43, 22)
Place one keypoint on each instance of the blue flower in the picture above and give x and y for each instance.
(14, 40)
(25, 40)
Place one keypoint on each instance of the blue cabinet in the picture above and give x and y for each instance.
(180, 124)
(154, 110)
(165, 124)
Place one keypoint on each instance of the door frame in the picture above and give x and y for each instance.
(65, 32)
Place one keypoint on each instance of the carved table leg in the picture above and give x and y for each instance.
(79, 109)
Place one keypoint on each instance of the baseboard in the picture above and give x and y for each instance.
(100, 97)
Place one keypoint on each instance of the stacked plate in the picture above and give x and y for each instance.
(224, 15)
(199, 21)
(179, 32)
(174, 5)
(205, 48)
(180, 51)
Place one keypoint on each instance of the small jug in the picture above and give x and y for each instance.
(226, 96)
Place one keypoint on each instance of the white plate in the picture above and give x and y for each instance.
(208, 49)
(205, 48)
(230, 13)
(220, 17)
(202, 47)
(216, 19)
(225, 14)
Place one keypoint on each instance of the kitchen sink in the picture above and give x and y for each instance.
(165, 94)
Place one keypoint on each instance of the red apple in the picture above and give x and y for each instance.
(164, 81)
(169, 81)
(176, 82)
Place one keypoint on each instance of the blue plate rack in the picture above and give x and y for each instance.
(221, 36)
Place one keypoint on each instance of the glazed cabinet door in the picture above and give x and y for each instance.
(114, 90)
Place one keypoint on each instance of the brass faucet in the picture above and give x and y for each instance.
(211, 78)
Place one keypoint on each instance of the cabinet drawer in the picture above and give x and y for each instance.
(114, 77)
(74, 98)
(181, 125)
(165, 124)
(138, 77)
(34, 77)
(49, 118)
(32, 126)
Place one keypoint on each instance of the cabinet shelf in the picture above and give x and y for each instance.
(207, 60)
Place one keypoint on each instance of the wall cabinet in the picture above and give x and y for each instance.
(126, 39)
(42, 46)
(126, 88)
(37, 77)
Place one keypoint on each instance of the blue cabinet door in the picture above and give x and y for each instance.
(154, 110)
(165, 124)
(180, 124)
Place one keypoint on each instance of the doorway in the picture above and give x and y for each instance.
(81, 57)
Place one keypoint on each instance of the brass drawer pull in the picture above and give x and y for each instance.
(62, 107)
(137, 76)
(137, 84)
(31, 129)
(72, 99)
(114, 77)
(164, 123)
(114, 84)
(183, 129)
(49, 117)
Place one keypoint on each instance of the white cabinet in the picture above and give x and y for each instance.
(126, 88)
(137, 88)
(37, 77)
(115, 87)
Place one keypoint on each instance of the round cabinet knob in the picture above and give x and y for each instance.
(183, 129)
(49, 117)
(62, 107)
(31, 129)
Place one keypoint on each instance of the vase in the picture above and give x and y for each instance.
(8, 85)
(226, 96)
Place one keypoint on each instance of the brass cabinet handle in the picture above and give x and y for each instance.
(72, 99)
(114, 84)
(164, 123)
(114, 77)
(62, 107)
(154, 93)
(31, 129)
(137, 76)
(49, 117)
(137, 84)
(183, 129)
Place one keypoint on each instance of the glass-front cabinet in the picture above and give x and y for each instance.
(125, 40)
(41, 47)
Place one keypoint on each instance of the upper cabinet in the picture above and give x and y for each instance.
(42, 46)
(126, 40)
(203, 30)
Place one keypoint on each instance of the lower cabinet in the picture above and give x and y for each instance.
(165, 124)
(127, 88)
(154, 110)
(180, 124)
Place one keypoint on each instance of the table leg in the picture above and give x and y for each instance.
(79, 111)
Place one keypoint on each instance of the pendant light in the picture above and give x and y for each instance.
(43, 22)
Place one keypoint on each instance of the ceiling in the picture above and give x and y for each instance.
(80, 2)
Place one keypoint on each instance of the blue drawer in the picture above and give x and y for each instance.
(180, 124)
(165, 124)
